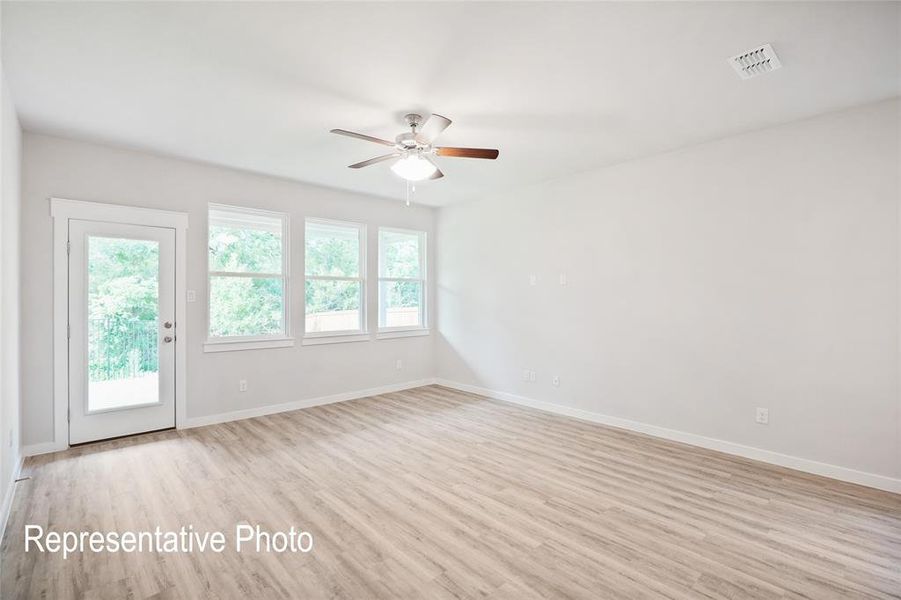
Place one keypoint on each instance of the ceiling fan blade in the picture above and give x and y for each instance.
(361, 136)
(489, 153)
(437, 174)
(372, 161)
(432, 128)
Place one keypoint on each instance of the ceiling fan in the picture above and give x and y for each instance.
(414, 150)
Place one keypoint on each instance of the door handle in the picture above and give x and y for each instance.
(168, 339)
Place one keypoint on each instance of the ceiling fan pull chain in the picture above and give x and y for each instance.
(411, 191)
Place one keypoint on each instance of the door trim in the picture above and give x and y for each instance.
(61, 211)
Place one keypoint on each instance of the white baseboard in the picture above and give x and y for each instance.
(43, 448)
(248, 413)
(271, 409)
(10, 493)
(873, 480)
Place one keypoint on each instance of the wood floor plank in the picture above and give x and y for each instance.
(436, 493)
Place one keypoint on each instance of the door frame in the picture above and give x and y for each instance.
(61, 211)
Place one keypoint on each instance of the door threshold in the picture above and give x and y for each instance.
(120, 437)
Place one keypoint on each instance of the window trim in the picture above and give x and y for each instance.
(406, 330)
(342, 335)
(247, 344)
(402, 333)
(283, 339)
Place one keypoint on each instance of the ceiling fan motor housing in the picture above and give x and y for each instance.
(407, 140)
(413, 120)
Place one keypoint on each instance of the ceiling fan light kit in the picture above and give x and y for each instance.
(414, 150)
(414, 167)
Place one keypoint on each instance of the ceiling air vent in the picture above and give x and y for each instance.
(755, 62)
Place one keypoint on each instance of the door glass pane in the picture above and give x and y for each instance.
(123, 322)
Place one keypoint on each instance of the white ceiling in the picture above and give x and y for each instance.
(557, 87)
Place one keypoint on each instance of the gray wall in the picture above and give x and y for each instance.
(10, 158)
(757, 271)
(55, 167)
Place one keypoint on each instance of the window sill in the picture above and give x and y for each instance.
(235, 345)
(402, 333)
(334, 338)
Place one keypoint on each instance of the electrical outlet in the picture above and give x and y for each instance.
(191, 296)
(533, 279)
(763, 416)
(556, 381)
(242, 385)
(525, 375)
(398, 364)
(562, 278)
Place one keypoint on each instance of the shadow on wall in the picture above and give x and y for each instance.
(485, 328)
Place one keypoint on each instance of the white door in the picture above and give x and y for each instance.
(122, 335)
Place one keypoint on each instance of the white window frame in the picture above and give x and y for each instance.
(407, 330)
(348, 335)
(252, 342)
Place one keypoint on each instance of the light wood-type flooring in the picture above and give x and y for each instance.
(434, 493)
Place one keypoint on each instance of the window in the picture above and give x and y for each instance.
(335, 266)
(402, 277)
(248, 274)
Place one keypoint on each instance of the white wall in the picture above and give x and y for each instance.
(54, 167)
(759, 270)
(10, 158)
